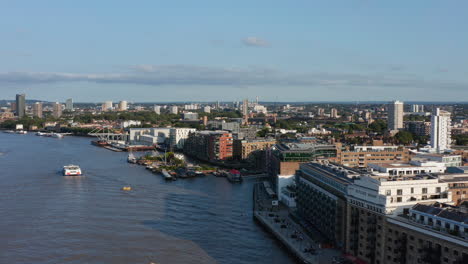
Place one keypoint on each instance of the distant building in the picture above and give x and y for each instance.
(69, 104)
(57, 110)
(320, 112)
(128, 123)
(207, 109)
(37, 109)
(419, 128)
(440, 130)
(417, 108)
(395, 115)
(157, 109)
(190, 116)
(174, 110)
(334, 113)
(123, 106)
(20, 105)
(107, 106)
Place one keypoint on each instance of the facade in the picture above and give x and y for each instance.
(361, 156)
(209, 145)
(440, 130)
(20, 105)
(69, 104)
(123, 106)
(148, 136)
(395, 115)
(37, 109)
(414, 167)
(57, 110)
(243, 148)
(458, 185)
(177, 137)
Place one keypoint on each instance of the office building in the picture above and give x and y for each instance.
(123, 106)
(395, 115)
(57, 110)
(20, 105)
(440, 130)
(37, 109)
(69, 104)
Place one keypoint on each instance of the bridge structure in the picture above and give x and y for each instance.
(107, 134)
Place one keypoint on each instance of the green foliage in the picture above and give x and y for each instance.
(263, 132)
(378, 126)
(461, 140)
(404, 137)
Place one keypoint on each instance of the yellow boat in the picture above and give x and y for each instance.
(126, 188)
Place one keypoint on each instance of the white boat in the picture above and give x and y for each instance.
(71, 170)
(21, 132)
(131, 158)
(166, 175)
(56, 135)
(40, 134)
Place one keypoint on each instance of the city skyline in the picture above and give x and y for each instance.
(279, 51)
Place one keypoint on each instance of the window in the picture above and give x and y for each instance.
(388, 192)
(412, 190)
(424, 190)
(399, 192)
(398, 199)
(438, 190)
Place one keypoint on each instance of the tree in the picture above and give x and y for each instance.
(378, 126)
(404, 137)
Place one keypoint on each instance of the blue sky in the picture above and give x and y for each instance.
(227, 50)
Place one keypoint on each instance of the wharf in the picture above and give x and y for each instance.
(296, 240)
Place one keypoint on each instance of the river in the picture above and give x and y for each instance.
(49, 218)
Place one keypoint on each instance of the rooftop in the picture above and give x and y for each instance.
(455, 213)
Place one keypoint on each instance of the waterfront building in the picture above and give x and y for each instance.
(395, 115)
(178, 136)
(190, 116)
(243, 148)
(123, 106)
(57, 110)
(128, 123)
(157, 109)
(20, 105)
(361, 156)
(440, 130)
(69, 104)
(148, 136)
(174, 110)
(209, 145)
(37, 109)
(284, 159)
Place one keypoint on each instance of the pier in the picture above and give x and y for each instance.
(294, 238)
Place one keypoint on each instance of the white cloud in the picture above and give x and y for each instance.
(255, 42)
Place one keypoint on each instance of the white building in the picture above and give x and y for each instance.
(395, 115)
(69, 104)
(107, 106)
(394, 195)
(148, 136)
(448, 159)
(415, 167)
(174, 110)
(190, 116)
(440, 130)
(207, 109)
(191, 107)
(177, 136)
(123, 106)
(260, 109)
(127, 123)
(157, 109)
(57, 110)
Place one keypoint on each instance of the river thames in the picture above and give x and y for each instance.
(49, 218)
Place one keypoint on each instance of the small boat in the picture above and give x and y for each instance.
(56, 135)
(23, 132)
(71, 170)
(131, 158)
(166, 175)
(40, 134)
(234, 176)
(126, 188)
